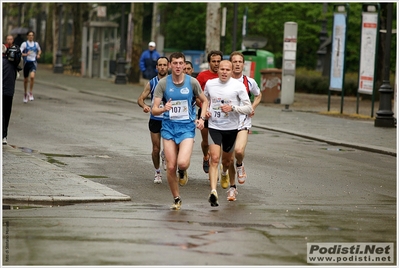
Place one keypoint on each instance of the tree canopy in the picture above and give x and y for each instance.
(183, 26)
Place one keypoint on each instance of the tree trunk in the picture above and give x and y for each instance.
(155, 23)
(213, 20)
(77, 12)
(56, 29)
(138, 13)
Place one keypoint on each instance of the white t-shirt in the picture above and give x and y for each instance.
(232, 92)
(246, 121)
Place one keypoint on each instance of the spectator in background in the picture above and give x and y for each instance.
(148, 61)
(188, 69)
(8, 44)
(9, 41)
(11, 59)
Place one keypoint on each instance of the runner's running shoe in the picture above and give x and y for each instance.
(213, 198)
(25, 98)
(231, 194)
(31, 98)
(176, 204)
(225, 179)
(183, 177)
(205, 165)
(163, 160)
(158, 178)
(241, 174)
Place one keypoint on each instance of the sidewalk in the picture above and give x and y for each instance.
(29, 179)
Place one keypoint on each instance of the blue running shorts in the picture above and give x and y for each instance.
(176, 131)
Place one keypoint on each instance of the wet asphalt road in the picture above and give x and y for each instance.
(298, 191)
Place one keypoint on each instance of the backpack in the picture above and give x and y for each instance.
(14, 55)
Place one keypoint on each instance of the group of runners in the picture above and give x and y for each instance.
(223, 95)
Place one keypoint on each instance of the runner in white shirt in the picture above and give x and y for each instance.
(227, 99)
(31, 52)
(237, 59)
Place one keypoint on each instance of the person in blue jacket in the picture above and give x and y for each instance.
(148, 61)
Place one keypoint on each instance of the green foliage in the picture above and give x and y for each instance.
(183, 25)
(310, 81)
(46, 57)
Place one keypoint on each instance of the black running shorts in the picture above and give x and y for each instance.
(224, 138)
(155, 125)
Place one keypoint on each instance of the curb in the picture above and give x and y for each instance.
(368, 148)
(98, 192)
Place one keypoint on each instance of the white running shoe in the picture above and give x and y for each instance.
(4, 140)
(31, 98)
(163, 160)
(241, 174)
(25, 98)
(231, 194)
(158, 178)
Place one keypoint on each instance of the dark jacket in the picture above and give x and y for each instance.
(148, 63)
(9, 77)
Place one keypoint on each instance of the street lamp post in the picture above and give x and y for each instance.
(58, 67)
(121, 62)
(384, 116)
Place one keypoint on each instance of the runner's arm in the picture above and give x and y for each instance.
(143, 95)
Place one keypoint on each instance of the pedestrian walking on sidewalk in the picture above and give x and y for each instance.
(179, 92)
(11, 60)
(148, 61)
(252, 88)
(31, 52)
(214, 58)
(155, 122)
(228, 99)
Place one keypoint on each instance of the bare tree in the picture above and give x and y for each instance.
(213, 19)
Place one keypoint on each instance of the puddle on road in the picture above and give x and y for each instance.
(338, 149)
(62, 155)
(94, 177)
(243, 225)
(51, 158)
(24, 149)
(18, 207)
(256, 132)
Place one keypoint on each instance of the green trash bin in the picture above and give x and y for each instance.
(256, 60)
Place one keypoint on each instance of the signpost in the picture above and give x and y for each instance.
(337, 73)
(289, 63)
(368, 52)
